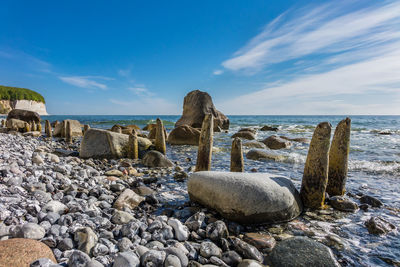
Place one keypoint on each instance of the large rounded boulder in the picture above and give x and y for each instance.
(276, 142)
(184, 135)
(24, 115)
(247, 198)
(155, 159)
(195, 106)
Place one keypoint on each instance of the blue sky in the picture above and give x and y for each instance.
(253, 57)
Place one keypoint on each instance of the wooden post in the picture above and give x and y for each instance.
(27, 127)
(47, 128)
(315, 177)
(133, 146)
(39, 127)
(85, 128)
(237, 162)
(68, 135)
(160, 137)
(205, 144)
(338, 159)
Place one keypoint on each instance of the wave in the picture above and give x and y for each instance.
(130, 122)
(375, 167)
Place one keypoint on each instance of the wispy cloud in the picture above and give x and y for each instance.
(141, 90)
(124, 72)
(218, 72)
(324, 30)
(88, 82)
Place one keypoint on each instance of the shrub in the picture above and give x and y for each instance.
(15, 93)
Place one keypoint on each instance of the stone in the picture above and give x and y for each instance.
(126, 259)
(78, 259)
(379, 226)
(156, 159)
(22, 252)
(184, 135)
(343, 204)
(338, 159)
(153, 258)
(172, 261)
(121, 217)
(18, 125)
(246, 250)
(245, 135)
(373, 201)
(55, 206)
(160, 137)
(183, 259)
(302, 251)
(264, 155)
(149, 127)
(128, 199)
(254, 144)
(248, 198)
(114, 172)
(216, 231)
(276, 142)
(204, 152)
(269, 128)
(250, 263)
(37, 160)
(85, 128)
(61, 129)
(231, 257)
(237, 161)
(86, 239)
(24, 115)
(208, 249)
(98, 143)
(195, 107)
(42, 262)
(180, 230)
(315, 176)
(260, 241)
(31, 231)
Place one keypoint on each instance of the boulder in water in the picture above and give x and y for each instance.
(269, 128)
(254, 144)
(195, 106)
(263, 155)
(275, 142)
(154, 158)
(248, 198)
(245, 135)
(184, 135)
(24, 115)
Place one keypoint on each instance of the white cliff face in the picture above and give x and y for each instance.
(31, 105)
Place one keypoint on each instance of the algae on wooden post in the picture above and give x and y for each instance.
(315, 177)
(237, 162)
(338, 159)
(160, 137)
(39, 127)
(133, 145)
(68, 134)
(205, 144)
(47, 128)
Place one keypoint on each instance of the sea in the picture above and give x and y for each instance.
(374, 169)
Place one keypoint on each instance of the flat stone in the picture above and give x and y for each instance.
(260, 241)
(22, 252)
(128, 199)
(31, 231)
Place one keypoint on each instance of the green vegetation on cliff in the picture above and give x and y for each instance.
(15, 93)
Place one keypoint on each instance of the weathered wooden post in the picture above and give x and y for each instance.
(85, 128)
(133, 145)
(315, 177)
(68, 134)
(160, 137)
(237, 162)
(27, 127)
(39, 127)
(205, 144)
(47, 129)
(338, 159)
(33, 126)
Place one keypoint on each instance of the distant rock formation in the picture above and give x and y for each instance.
(21, 98)
(8, 105)
(195, 106)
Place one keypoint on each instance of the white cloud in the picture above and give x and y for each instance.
(85, 81)
(325, 30)
(218, 72)
(367, 87)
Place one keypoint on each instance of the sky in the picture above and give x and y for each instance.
(253, 57)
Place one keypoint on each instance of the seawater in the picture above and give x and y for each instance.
(374, 168)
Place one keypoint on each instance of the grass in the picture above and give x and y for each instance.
(15, 93)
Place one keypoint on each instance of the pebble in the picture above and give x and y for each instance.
(126, 259)
(208, 249)
(181, 231)
(31, 231)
